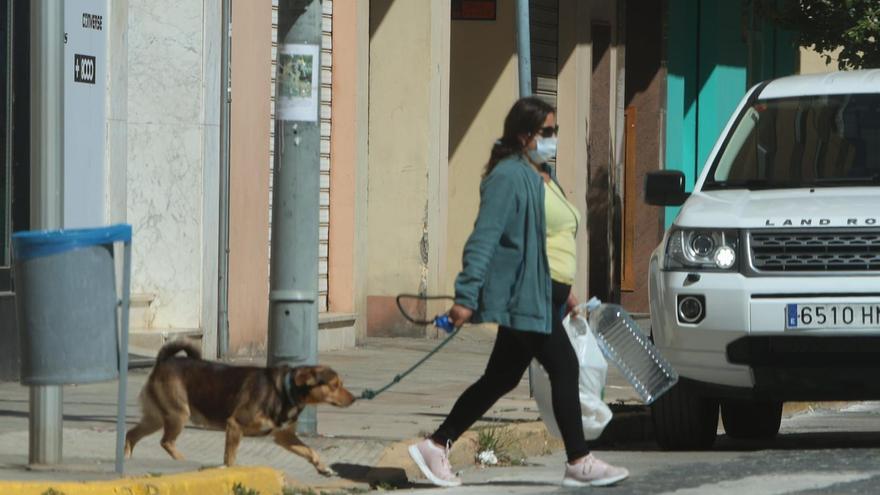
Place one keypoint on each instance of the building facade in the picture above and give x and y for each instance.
(413, 94)
(155, 165)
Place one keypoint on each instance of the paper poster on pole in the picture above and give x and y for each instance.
(298, 87)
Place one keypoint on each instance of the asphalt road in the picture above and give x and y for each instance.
(817, 452)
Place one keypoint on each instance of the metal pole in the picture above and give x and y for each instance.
(225, 110)
(293, 298)
(123, 359)
(524, 57)
(47, 169)
(523, 48)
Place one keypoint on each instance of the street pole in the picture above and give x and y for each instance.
(47, 170)
(293, 297)
(524, 59)
(524, 48)
(225, 111)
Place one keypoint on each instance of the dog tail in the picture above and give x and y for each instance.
(170, 349)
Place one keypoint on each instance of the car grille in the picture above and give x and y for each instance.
(833, 251)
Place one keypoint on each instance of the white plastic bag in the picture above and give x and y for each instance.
(591, 379)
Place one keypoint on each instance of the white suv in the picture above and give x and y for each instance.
(766, 288)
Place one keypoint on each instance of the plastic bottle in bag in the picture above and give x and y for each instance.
(623, 343)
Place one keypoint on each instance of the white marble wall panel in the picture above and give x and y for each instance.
(211, 43)
(165, 61)
(116, 185)
(164, 208)
(172, 94)
(211, 233)
(211, 96)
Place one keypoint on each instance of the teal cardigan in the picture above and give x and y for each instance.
(505, 276)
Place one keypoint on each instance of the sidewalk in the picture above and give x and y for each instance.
(352, 440)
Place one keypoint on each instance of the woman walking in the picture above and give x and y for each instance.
(518, 266)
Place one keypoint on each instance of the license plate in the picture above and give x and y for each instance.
(811, 316)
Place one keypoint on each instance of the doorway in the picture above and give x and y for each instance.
(14, 128)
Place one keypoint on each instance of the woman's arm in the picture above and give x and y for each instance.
(571, 303)
(499, 199)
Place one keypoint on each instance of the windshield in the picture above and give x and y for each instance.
(812, 141)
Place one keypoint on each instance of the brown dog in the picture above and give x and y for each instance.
(243, 400)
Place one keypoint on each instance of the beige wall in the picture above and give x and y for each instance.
(812, 62)
(483, 86)
(348, 147)
(249, 177)
(573, 101)
(409, 64)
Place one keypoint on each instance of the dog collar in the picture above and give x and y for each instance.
(291, 391)
(288, 385)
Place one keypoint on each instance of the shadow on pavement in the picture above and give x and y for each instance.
(826, 440)
(374, 476)
(70, 417)
(804, 441)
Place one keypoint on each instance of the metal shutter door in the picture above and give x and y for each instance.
(544, 23)
(326, 99)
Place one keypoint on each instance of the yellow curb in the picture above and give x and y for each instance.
(265, 481)
(332, 487)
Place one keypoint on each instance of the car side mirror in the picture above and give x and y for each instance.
(665, 188)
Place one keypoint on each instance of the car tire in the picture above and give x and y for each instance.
(751, 420)
(683, 420)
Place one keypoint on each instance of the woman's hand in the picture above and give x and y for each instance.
(571, 303)
(460, 315)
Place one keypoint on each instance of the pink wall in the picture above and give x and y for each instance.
(343, 153)
(249, 176)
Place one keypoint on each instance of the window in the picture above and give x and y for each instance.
(14, 129)
(811, 141)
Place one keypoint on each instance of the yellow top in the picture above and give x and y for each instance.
(562, 224)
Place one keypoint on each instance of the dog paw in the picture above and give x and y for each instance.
(326, 471)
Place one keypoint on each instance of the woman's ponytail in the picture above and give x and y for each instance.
(525, 118)
(501, 150)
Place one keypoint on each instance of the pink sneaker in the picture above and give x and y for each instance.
(434, 462)
(592, 471)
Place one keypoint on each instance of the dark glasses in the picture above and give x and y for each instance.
(548, 131)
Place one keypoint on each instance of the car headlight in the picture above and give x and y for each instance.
(695, 249)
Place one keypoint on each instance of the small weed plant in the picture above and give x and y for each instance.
(239, 489)
(496, 446)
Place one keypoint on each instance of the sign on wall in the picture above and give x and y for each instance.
(473, 10)
(85, 89)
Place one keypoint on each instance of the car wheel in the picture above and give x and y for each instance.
(684, 420)
(752, 420)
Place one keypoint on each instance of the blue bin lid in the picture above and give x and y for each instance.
(38, 243)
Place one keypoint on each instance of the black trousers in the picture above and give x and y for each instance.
(511, 355)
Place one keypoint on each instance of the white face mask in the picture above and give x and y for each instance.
(545, 149)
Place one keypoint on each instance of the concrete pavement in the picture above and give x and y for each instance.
(359, 442)
(826, 448)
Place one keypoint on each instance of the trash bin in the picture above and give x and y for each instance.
(66, 300)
